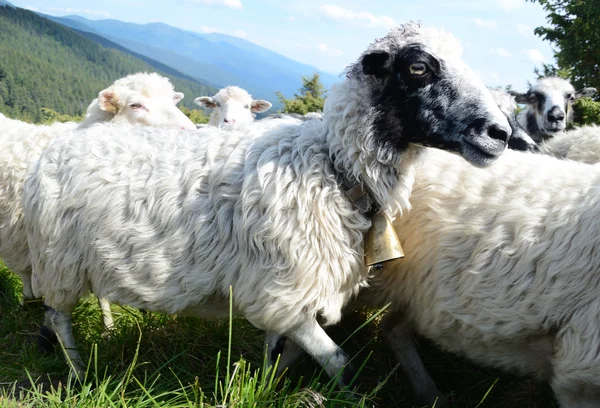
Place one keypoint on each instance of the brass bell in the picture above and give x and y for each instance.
(381, 242)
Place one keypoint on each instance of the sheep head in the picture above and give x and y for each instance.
(416, 90)
(549, 105)
(232, 105)
(146, 99)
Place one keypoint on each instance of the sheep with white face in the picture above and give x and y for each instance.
(232, 106)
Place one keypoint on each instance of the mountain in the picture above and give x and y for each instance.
(45, 64)
(216, 58)
(6, 3)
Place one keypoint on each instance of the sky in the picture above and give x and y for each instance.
(496, 35)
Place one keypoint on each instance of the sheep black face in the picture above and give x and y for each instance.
(433, 102)
(548, 106)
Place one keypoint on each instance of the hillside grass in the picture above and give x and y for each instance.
(156, 360)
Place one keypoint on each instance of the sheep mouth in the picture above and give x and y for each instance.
(482, 153)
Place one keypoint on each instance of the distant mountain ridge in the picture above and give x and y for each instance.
(214, 58)
(47, 65)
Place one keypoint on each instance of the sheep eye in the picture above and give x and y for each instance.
(246, 106)
(418, 68)
(532, 98)
(218, 104)
(571, 97)
(135, 105)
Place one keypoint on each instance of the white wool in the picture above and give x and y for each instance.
(190, 257)
(581, 144)
(502, 266)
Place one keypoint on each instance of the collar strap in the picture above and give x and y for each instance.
(357, 195)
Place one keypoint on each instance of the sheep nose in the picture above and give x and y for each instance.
(229, 120)
(499, 132)
(556, 115)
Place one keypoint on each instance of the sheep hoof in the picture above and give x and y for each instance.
(46, 340)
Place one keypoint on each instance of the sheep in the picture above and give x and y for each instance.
(519, 139)
(142, 98)
(549, 107)
(502, 267)
(580, 144)
(168, 221)
(232, 105)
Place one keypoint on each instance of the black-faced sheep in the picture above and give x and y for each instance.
(168, 221)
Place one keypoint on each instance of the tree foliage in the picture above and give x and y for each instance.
(575, 30)
(50, 116)
(195, 115)
(311, 97)
(46, 65)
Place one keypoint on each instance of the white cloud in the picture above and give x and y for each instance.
(509, 5)
(31, 8)
(240, 33)
(501, 52)
(360, 18)
(535, 55)
(487, 24)
(525, 30)
(208, 30)
(332, 52)
(96, 13)
(290, 18)
(234, 4)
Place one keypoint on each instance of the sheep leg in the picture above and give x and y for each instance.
(107, 318)
(47, 338)
(399, 334)
(280, 346)
(311, 337)
(61, 324)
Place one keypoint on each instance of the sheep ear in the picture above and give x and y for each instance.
(108, 100)
(377, 63)
(177, 96)
(205, 101)
(520, 97)
(585, 92)
(259, 106)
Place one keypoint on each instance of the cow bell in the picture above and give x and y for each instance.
(381, 242)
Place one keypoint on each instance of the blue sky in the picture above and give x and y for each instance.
(497, 35)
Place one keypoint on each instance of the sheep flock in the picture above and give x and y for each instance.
(492, 194)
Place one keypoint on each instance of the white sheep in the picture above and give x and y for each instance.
(169, 221)
(232, 105)
(502, 267)
(139, 98)
(549, 107)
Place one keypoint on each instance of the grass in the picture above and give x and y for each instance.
(155, 360)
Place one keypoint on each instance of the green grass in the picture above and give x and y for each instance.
(155, 360)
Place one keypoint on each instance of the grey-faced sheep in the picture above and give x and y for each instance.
(141, 98)
(232, 105)
(502, 267)
(168, 221)
(549, 107)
